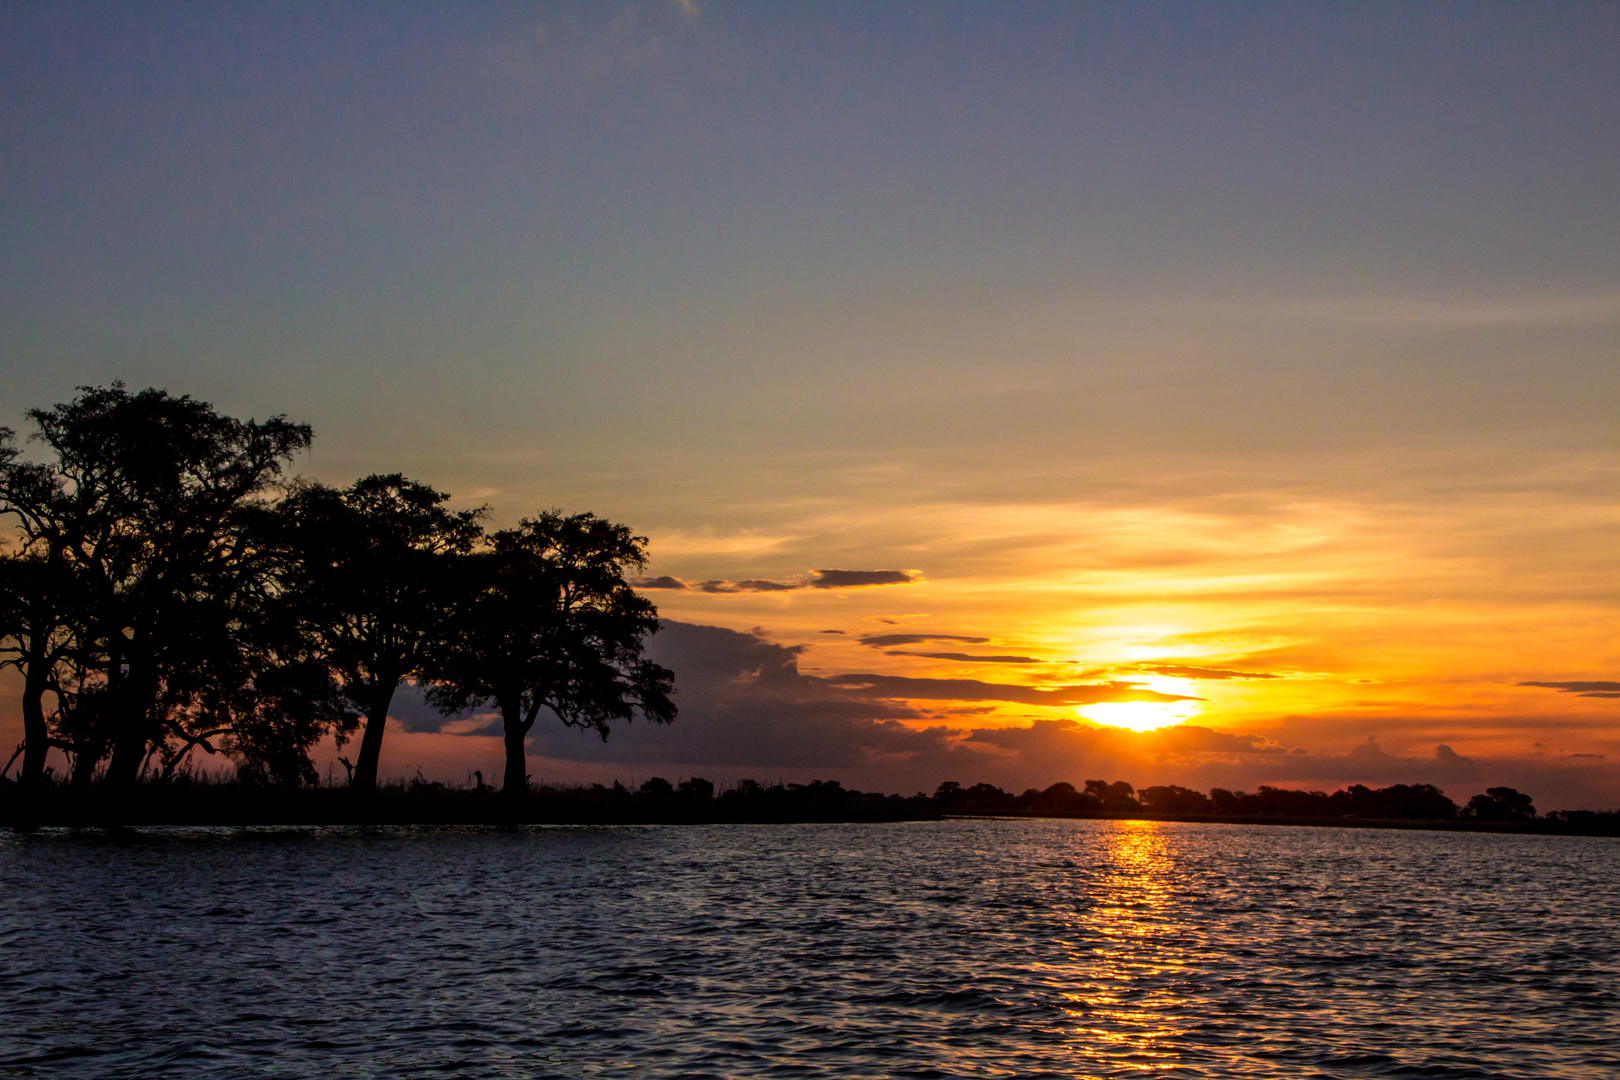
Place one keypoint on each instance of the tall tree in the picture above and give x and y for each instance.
(374, 581)
(253, 680)
(32, 622)
(145, 501)
(547, 621)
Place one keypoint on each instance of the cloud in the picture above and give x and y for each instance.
(1581, 689)
(860, 579)
(885, 641)
(1446, 755)
(745, 704)
(816, 579)
(905, 688)
(749, 585)
(1186, 671)
(969, 658)
(411, 709)
(747, 710)
(661, 582)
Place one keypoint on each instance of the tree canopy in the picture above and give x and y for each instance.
(546, 620)
(374, 576)
(165, 588)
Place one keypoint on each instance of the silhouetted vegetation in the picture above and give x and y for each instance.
(543, 618)
(189, 798)
(164, 590)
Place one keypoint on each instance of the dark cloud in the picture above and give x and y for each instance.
(1581, 689)
(663, 582)
(969, 658)
(832, 631)
(764, 585)
(886, 641)
(747, 710)
(722, 586)
(744, 703)
(1187, 671)
(1447, 755)
(859, 579)
(816, 579)
(902, 687)
(411, 709)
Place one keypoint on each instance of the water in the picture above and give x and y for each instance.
(971, 948)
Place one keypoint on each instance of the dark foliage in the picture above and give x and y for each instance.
(136, 556)
(186, 799)
(161, 591)
(373, 570)
(1501, 804)
(1171, 799)
(544, 619)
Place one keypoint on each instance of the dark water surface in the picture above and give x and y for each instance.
(969, 948)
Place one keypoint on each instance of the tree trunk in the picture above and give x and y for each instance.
(134, 695)
(36, 740)
(364, 781)
(129, 749)
(516, 783)
(86, 755)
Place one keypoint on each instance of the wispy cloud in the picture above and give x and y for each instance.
(663, 581)
(1597, 689)
(815, 579)
(745, 705)
(860, 579)
(886, 641)
(1188, 671)
(969, 658)
(904, 688)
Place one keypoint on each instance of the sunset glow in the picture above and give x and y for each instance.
(1012, 393)
(1139, 715)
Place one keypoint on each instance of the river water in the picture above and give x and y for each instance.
(959, 948)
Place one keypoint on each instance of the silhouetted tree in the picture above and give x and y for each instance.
(1062, 798)
(1415, 801)
(1171, 799)
(142, 510)
(38, 617)
(696, 790)
(374, 580)
(547, 621)
(1501, 804)
(1116, 798)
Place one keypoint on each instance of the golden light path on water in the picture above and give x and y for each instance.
(1137, 937)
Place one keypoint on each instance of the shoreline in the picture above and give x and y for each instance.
(227, 807)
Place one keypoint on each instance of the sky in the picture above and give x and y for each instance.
(1248, 372)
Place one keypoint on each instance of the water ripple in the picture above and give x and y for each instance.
(954, 949)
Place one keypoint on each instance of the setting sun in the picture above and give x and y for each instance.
(1139, 715)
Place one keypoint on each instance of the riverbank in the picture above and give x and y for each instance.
(419, 803)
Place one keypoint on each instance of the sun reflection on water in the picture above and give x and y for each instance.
(1135, 942)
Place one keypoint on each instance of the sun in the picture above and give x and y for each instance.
(1146, 715)
(1139, 715)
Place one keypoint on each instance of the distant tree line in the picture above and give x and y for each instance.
(165, 587)
(194, 798)
(1411, 802)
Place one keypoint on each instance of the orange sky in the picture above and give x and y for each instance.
(1273, 339)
